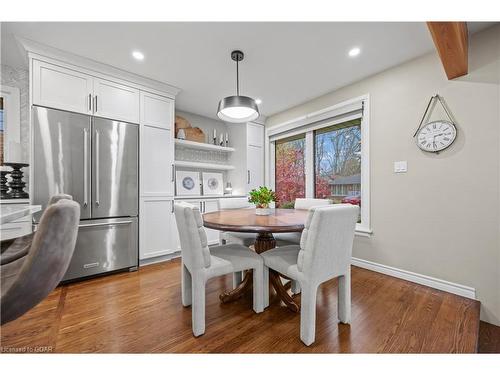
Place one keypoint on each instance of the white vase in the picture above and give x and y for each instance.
(263, 211)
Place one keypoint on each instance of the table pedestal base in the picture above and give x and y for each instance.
(263, 242)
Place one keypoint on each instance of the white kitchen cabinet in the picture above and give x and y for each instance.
(157, 225)
(157, 111)
(212, 234)
(255, 135)
(255, 167)
(115, 101)
(61, 88)
(157, 160)
(58, 87)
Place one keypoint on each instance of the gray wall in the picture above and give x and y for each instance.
(441, 218)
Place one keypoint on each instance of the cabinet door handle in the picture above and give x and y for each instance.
(90, 102)
(172, 202)
(95, 104)
(248, 176)
(173, 172)
(204, 207)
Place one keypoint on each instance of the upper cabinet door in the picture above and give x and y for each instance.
(255, 135)
(115, 101)
(157, 111)
(255, 167)
(61, 88)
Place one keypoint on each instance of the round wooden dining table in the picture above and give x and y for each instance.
(245, 220)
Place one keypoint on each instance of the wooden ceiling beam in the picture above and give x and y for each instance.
(451, 41)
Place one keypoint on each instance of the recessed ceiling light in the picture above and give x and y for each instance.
(138, 55)
(354, 51)
(258, 101)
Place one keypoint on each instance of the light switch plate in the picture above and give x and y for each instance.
(400, 166)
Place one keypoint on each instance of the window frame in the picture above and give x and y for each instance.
(336, 114)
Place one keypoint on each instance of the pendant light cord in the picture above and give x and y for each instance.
(237, 78)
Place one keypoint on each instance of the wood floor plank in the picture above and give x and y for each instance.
(141, 312)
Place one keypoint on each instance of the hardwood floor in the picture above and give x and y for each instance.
(489, 338)
(142, 312)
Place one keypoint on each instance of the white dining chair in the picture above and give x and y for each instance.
(293, 238)
(199, 264)
(324, 253)
(245, 239)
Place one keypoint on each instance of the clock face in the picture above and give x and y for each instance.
(436, 136)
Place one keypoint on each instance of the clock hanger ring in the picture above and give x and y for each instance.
(433, 98)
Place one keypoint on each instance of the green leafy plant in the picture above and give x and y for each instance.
(262, 196)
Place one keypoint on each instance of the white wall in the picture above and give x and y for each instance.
(440, 219)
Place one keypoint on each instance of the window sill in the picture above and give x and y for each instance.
(363, 231)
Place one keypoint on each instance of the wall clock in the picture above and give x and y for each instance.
(435, 136)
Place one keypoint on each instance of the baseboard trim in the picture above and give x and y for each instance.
(158, 259)
(447, 286)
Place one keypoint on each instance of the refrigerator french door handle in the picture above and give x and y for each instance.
(97, 168)
(85, 168)
(104, 224)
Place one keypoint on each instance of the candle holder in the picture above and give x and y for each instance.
(17, 184)
(3, 185)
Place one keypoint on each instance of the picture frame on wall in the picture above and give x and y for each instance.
(213, 184)
(187, 183)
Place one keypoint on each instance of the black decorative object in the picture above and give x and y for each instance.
(17, 184)
(3, 185)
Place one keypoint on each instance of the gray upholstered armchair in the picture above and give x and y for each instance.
(28, 276)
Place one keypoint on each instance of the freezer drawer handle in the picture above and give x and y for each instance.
(91, 265)
(104, 224)
(97, 161)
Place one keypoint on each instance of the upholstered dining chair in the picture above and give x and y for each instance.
(199, 264)
(324, 253)
(16, 248)
(293, 238)
(245, 239)
(29, 279)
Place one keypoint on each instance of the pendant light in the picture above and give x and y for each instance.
(237, 108)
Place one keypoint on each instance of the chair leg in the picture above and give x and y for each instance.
(344, 298)
(258, 289)
(265, 282)
(186, 286)
(198, 309)
(308, 314)
(237, 277)
(295, 287)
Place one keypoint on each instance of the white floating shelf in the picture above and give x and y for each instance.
(202, 146)
(195, 164)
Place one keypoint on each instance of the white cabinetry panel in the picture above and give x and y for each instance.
(255, 165)
(157, 111)
(255, 135)
(157, 158)
(212, 234)
(115, 101)
(61, 88)
(156, 222)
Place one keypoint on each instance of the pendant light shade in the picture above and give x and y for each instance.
(237, 108)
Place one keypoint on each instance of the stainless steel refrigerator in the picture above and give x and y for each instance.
(96, 161)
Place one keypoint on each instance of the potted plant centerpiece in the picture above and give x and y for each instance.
(261, 197)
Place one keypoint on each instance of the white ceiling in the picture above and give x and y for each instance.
(285, 63)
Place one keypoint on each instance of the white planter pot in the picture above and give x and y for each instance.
(262, 211)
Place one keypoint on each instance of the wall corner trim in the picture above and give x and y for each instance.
(446, 286)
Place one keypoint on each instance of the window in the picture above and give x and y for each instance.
(290, 179)
(324, 155)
